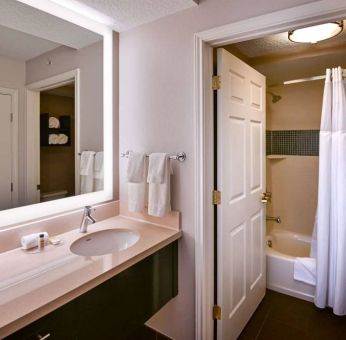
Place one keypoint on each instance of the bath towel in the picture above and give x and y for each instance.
(305, 270)
(87, 172)
(53, 139)
(98, 171)
(159, 179)
(136, 185)
(135, 167)
(53, 123)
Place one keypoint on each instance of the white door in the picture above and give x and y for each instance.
(5, 151)
(241, 180)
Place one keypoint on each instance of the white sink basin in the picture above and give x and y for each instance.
(104, 242)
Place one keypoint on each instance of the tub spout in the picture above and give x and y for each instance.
(275, 219)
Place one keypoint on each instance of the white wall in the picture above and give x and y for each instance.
(157, 114)
(12, 75)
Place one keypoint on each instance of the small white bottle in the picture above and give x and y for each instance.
(41, 242)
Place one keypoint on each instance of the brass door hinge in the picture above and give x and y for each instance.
(216, 197)
(216, 83)
(216, 312)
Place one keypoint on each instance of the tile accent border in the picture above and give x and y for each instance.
(292, 142)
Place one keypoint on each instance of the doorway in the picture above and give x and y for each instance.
(204, 43)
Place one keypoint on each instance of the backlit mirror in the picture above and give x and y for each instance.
(51, 107)
(58, 66)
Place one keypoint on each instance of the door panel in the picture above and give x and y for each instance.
(241, 180)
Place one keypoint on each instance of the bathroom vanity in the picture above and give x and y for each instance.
(70, 296)
(116, 308)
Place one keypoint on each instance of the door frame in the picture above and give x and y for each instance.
(255, 27)
(33, 91)
(14, 93)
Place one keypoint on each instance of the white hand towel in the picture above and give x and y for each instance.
(31, 240)
(87, 171)
(53, 123)
(62, 138)
(136, 170)
(98, 171)
(157, 167)
(53, 139)
(135, 167)
(159, 203)
(305, 270)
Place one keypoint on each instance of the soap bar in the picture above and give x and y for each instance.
(31, 241)
(54, 240)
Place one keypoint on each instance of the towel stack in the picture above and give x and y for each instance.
(159, 173)
(60, 138)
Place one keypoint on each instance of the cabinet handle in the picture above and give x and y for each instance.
(40, 337)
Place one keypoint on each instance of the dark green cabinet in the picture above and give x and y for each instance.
(116, 308)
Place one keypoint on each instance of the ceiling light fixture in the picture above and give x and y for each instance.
(314, 34)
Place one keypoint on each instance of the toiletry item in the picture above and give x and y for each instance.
(41, 242)
(54, 241)
(31, 240)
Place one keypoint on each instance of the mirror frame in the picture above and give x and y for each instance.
(20, 215)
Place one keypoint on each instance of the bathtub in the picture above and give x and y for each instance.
(285, 247)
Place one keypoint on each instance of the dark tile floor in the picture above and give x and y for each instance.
(146, 333)
(282, 317)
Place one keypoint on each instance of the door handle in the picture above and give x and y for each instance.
(43, 337)
(266, 197)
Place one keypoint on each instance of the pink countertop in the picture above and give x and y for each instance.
(34, 284)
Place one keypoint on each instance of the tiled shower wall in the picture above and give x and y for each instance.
(292, 142)
(293, 134)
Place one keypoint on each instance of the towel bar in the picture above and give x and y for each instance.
(181, 156)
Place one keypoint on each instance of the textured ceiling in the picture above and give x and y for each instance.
(26, 46)
(279, 59)
(131, 13)
(279, 43)
(20, 17)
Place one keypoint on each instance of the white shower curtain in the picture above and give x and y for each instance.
(329, 239)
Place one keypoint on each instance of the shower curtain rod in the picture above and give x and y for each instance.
(302, 80)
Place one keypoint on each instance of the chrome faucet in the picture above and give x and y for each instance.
(87, 219)
(275, 219)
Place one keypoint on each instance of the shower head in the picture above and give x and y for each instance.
(275, 97)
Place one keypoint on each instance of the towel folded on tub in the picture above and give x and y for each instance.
(305, 270)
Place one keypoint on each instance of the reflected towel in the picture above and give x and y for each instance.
(98, 171)
(159, 179)
(62, 138)
(305, 270)
(53, 139)
(87, 171)
(53, 123)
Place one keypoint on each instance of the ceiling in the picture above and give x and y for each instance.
(279, 59)
(20, 17)
(26, 46)
(127, 14)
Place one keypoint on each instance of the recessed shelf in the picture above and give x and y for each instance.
(276, 156)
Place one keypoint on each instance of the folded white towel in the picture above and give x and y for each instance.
(98, 171)
(53, 123)
(53, 139)
(62, 138)
(136, 185)
(98, 165)
(31, 240)
(159, 179)
(157, 167)
(305, 270)
(87, 171)
(135, 167)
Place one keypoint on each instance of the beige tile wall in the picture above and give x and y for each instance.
(293, 180)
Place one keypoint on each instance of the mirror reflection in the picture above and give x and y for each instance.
(51, 107)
